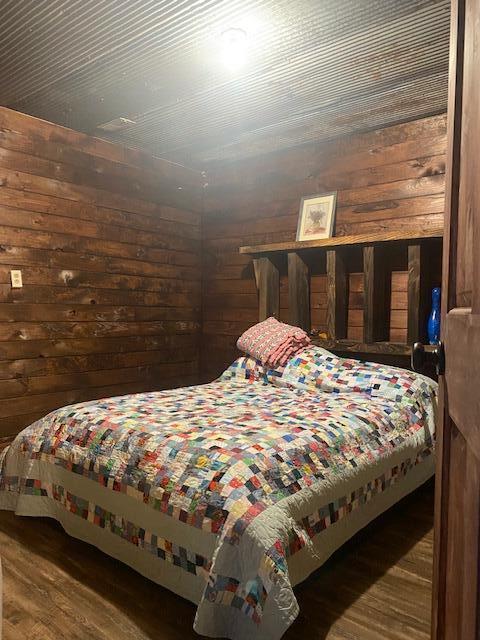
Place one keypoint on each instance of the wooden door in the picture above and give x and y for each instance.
(457, 508)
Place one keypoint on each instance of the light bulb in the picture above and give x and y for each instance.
(234, 48)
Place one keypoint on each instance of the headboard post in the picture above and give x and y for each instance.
(337, 295)
(417, 293)
(298, 291)
(376, 325)
(268, 284)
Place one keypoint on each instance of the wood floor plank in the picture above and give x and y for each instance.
(377, 587)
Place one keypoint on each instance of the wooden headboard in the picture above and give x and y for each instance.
(375, 249)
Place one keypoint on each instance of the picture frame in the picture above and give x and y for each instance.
(316, 216)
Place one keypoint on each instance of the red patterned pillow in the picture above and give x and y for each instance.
(273, 342)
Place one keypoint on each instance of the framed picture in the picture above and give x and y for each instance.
(316, 216)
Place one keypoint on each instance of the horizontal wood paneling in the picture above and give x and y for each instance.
(389, 179)
(108, 241)
(120, 169)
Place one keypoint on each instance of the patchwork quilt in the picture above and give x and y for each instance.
(231, 492)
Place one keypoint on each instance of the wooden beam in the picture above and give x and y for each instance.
(417, 291)
(298, 292)
(337, 295)
(268, 283)
(375, 312)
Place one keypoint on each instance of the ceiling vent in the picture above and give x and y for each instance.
(118, 124)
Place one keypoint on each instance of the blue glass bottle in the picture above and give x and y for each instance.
(433, 327)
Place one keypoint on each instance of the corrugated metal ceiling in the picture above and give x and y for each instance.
(315, 69)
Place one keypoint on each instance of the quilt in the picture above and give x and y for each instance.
(227, 492)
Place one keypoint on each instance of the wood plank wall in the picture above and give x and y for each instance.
(107, 239)
(387, 179)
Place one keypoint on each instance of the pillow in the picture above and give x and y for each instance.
(303, 369)
(252, 370)
(315, 368)
(398, 384)
(272, 342)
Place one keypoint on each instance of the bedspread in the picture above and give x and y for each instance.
(223, 483)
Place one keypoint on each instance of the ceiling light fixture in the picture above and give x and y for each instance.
(234, 48)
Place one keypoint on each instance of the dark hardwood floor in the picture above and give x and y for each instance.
(377, 587)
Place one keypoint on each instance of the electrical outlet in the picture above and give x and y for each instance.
(16, 277)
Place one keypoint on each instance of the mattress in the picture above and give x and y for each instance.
(230, 493)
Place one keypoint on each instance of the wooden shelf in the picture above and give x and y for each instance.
(340, 241)
(391, 348)
(386, 348)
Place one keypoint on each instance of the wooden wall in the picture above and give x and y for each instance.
(108, 243)
(387, 179)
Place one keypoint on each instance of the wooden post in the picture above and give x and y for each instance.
(337, 295)
(417, 293)
(298, 292)
(268, 283)
(375, 312)
(413, 290)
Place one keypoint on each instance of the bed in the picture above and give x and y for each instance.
(231, 493)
